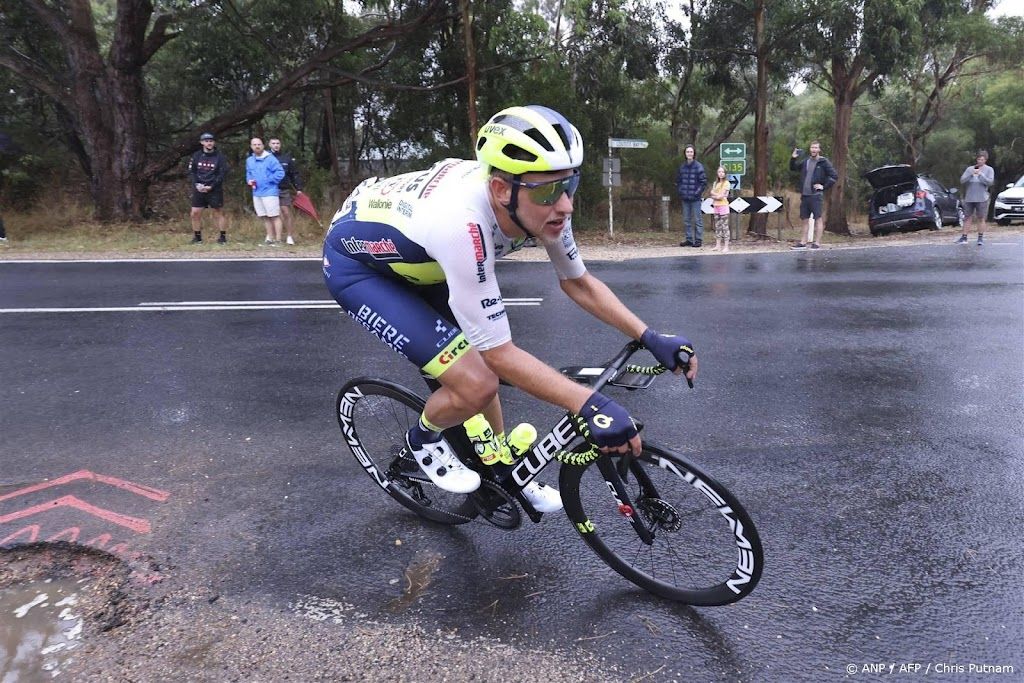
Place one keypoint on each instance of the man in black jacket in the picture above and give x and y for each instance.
(207, 169)
(816, 176)
(291, 178)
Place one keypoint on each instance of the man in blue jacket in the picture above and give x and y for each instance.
(263, 173)
(691, 181)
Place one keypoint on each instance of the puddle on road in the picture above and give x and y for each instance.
(39, 628)
(418, 576)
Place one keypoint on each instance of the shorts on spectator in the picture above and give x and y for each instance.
(979, 209)
(214, 199)
(811, 204)
(267, 206)
(285, 197)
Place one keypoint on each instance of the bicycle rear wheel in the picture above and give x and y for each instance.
(374, 416)
(702, 547)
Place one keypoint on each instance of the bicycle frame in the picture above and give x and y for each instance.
(546, 448)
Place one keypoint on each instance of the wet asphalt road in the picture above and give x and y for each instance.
(865, 405)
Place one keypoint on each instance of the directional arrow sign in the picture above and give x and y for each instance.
(739, 205)
(771, 204)
(733, 150)
(734, 181)
(706, 206)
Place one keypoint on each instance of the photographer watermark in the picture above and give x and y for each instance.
(928, 668)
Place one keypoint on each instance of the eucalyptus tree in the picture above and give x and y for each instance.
(94, 75)
(959, 44)
(852, 44)
(754, 38)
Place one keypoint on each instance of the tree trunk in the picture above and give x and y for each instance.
(468, 42)
(835, 215)
(759, 221)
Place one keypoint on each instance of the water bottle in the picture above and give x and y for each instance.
(520, 439)
(481, 436)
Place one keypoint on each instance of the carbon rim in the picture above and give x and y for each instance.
(374, 416)
(705, 550)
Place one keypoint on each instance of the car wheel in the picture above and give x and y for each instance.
(936, 219)
(875, 232)
(960, 216)
(1003, 221)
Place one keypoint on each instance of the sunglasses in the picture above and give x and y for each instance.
(548, 192)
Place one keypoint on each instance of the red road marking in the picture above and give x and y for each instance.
(138, 489)
(140, 526)
(33, 534)
(71, 534)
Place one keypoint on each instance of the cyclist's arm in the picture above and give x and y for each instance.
(523, 370)
(596, 298)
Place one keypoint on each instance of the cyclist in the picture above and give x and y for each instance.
(412, 258)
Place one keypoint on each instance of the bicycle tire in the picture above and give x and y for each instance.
(374, 416)
(705, 549)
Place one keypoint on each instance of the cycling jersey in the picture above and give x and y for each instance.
(428, 234)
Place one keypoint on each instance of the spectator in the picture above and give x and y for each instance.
(720, 205)
(291, 178)
(263, 173)
(691, 181)
(816, 176)
(976, 180)
(207, 169)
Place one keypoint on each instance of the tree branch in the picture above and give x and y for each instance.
(24, 66)
(158, 36)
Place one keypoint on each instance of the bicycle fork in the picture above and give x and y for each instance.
(616, 484)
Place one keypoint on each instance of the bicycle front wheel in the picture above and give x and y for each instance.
(665, 525)
(375, 416)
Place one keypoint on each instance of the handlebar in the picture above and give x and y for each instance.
(617, 366)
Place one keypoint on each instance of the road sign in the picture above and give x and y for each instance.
(611, 179)
(766, 204)
(733, 150)
(612, 164)
(627, 142)
(735, 166)
(734, 181)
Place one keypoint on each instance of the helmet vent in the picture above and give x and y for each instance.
(562, 135)
(518, 153)
(535, 135)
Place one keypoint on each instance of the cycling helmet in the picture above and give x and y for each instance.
(529, 139)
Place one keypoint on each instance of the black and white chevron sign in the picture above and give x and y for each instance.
(748, 205)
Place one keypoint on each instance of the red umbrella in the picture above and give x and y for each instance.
(302, 202)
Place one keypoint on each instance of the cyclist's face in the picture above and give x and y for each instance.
(545, 219)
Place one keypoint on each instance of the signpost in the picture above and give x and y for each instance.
(734, 181)
(611, 173)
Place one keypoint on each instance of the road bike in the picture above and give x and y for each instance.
(655, 517)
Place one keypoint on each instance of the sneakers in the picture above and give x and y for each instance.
(196, 240)
(814, 245)
(267, 242)
(289, 241)
(444, 469)
(687, 243)
(542, 497)
(698, 244)
(981, 240)
(799, 246)
(223, 239)
(961, 240)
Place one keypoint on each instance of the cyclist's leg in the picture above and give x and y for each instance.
(404, 320)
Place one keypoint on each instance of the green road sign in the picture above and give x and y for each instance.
(735, 166)
(732, 150)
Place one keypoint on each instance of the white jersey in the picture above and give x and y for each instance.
(437, 226)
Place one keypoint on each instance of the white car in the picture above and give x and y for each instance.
(1009, 205)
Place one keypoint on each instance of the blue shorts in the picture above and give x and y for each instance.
(413, 320)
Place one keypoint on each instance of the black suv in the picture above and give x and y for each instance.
(902, 199)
